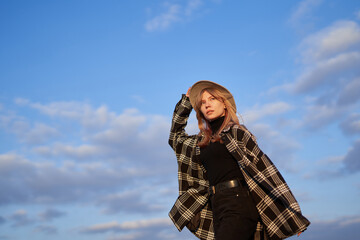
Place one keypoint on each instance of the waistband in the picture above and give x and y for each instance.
(227, 184)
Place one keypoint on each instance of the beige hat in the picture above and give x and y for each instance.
(200, 85)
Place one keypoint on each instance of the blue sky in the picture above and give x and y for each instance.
(87, 90)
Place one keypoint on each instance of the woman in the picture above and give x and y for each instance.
(228, 188)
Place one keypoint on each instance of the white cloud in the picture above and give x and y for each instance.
(21, 218)
(48, 230)
(344, 228)
(95, 133)
(121, 127)
(145, 223)
(264, 130)
(102, 227)
(130, 236)
(164, 20)
(329, 56)
(351, 125)
(350, 92)
(357, 14)
(327, 72)
(319, 115)
(82, 112)
(192, 6)
(338, 38)
(351, 160)
(22, 101)
(268, 109)
(133, 225)
(51, 214)
(84, 151)
(24, 181)
(174, 13)
(138, 98)
(338, 166)
(114, 154)
(334, 160)
(329, 75)
(6, 118)
(350, 221)
(40, 133)
(133, 200)
(158, 233)
(303, 10)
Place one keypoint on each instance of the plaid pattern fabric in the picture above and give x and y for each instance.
(277, 206)
(280, 213)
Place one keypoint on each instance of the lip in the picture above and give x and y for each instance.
(209, 112)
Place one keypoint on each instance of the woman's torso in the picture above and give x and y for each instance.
(218, 161)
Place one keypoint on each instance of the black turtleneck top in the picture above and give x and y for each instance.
(219, 163)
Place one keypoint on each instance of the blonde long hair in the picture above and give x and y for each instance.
(204, 125)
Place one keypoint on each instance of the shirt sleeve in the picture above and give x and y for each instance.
(193, 188)
(179, 121)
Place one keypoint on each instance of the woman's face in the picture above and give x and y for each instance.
(211, 108)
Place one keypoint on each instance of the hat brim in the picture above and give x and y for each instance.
(200, 85)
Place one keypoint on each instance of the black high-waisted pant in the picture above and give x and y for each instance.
(234, 213)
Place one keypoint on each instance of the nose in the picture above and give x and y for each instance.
(207, 104)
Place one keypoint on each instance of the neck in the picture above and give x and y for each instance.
(216, 124)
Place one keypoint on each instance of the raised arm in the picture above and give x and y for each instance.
(181, 114)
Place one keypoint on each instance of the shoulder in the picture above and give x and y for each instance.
(236, 128)
(241, 132)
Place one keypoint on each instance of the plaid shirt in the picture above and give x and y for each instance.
(279, 211)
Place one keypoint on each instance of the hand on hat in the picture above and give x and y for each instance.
(188, 92)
